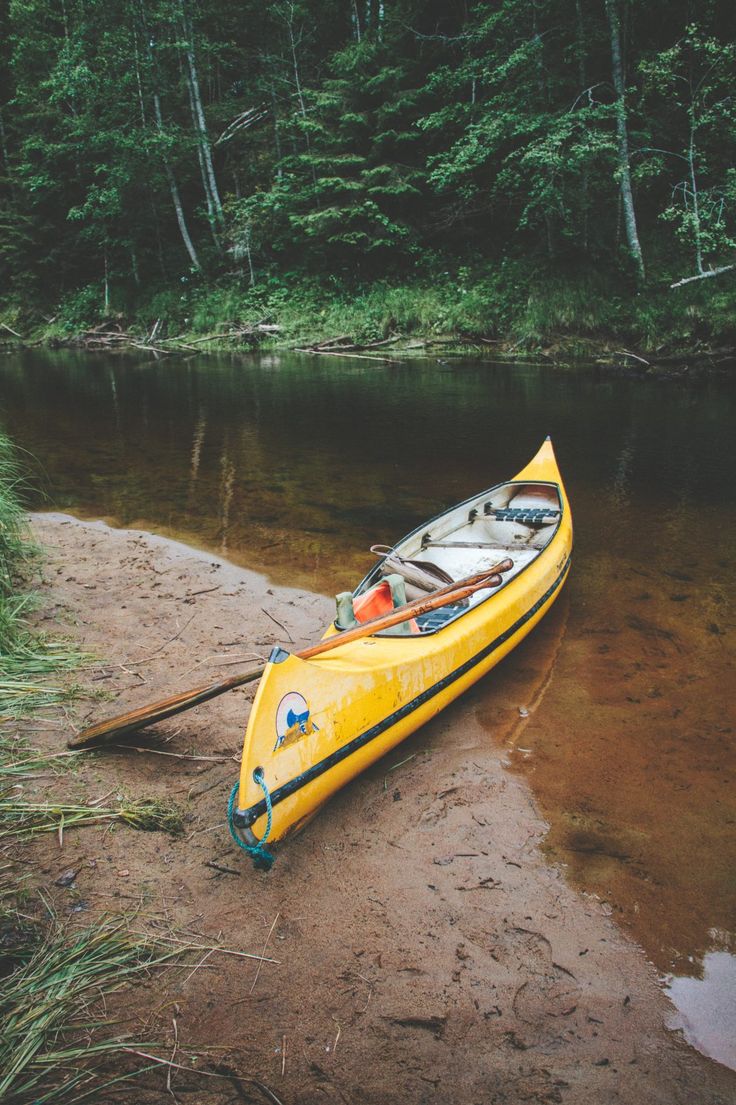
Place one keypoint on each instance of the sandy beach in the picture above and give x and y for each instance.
(427, 952)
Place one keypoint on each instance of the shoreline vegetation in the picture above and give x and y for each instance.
(667, 329)
(51, 980)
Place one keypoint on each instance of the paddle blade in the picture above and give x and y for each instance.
(123, 725)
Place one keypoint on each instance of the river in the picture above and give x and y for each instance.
(617, 708)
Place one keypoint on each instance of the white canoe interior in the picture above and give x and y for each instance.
(515, 520)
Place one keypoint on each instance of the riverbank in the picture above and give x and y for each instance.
(570, 353)
(426, 951)
(499, 314)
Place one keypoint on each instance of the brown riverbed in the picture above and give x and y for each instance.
(427, 950)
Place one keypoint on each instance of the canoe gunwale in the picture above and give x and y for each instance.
(375, 570)
(244, 818)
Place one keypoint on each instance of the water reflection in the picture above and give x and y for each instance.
(707, 1007)
(295, 466)
(199, 432)
(622, 474)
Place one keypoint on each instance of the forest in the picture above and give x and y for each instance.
(513, 169)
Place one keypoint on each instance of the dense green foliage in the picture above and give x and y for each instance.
(158, 155)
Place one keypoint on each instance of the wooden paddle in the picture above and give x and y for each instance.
(131, 722)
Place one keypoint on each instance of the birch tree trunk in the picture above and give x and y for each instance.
(138, 80)
(106, 285)
(134, 266)
(580, 32)
(355, 19)
(294, 62)
(624, 166)
(694, 188)
(200, 123)
(174, 189)
(157, 114)
(298, 83)
(209, 200)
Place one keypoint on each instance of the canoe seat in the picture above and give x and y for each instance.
(463, 561)
(536, 516)
(435, 619)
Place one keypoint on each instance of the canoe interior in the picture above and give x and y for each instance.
(517, 519)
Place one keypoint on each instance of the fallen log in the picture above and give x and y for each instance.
(334, 353)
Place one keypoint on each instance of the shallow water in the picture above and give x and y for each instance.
(296, 465)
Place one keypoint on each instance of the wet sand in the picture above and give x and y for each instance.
(427, 950)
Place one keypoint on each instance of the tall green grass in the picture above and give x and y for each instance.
(514, 303)
(27, 658)
(15, 546)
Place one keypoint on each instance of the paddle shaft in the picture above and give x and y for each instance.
(453, 592)
(134, 720)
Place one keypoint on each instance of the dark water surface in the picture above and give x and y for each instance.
(296, 465)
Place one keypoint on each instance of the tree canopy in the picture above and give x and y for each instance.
(154, 142)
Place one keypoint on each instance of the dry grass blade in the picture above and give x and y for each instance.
(18, 760)
(20, 820)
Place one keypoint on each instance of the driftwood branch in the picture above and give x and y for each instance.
(703, 275)
(239, 332)
(625, 353)
(334, 353)
(103, 337)
(345, 346)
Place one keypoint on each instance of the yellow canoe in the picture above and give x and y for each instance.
(316, 724)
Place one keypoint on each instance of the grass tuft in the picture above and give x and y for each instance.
(51, 1013)
(19, 760)
(21, 820)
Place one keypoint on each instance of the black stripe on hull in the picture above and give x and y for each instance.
(244, 818)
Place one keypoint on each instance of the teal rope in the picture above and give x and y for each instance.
(263, 860)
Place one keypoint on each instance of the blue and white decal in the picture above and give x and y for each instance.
(293, 720)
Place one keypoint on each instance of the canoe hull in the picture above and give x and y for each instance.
(317, 724)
